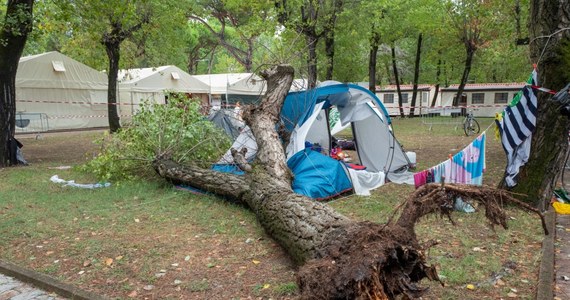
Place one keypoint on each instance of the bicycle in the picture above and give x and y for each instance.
(470, 125)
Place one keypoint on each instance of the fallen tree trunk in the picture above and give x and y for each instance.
(339, 258)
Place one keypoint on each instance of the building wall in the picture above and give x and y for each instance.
(390, 101)
(486, 109)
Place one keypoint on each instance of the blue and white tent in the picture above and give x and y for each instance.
(305, 114)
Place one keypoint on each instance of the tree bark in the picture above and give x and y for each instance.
(416, 75)
(18, 22)
(437, 80)
(312, 41)
(372, 58)
(329, 32)
(549, 41)
(397, 79)
(114, 55)
(466, 70)
(112, 41)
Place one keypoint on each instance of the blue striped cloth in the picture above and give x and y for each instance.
(516, 127)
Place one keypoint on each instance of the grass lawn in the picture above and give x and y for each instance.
(149, 240)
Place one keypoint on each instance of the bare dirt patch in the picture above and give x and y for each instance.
(59, 147)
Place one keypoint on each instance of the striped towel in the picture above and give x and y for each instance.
(516, 127)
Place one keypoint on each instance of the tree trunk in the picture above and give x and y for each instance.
(329, 32)
(466, 70)
(17, 24)
(437, 80)
(312, 41)
(114, 54)
(397, 78)
(550, 138)
(329, 50)
(372, 57)
(416, 75)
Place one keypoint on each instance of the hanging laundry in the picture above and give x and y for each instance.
(466, 167)
(420, 178)
(469, 164)
(516, 126)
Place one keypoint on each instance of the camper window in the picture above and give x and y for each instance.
(478, 98)
(501, 97)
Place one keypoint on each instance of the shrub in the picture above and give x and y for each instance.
(176, 129)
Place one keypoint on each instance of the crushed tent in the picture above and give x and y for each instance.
(305, 115)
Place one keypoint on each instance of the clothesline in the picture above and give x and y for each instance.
(466, 166)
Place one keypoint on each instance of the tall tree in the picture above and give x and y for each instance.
(329, 33)
(237, 25)
(372, 58)
(416, 75)
(315, 19)
(17, 24)
(111, 24)
(201, 44)
(467, 16)
(549, 44)
(120, 26)
(397, 80)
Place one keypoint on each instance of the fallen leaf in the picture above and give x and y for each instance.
(500, 282)
(266, 286)
(512, 295)
(108, 262)
(137, 220)
(119, 257)
(49, 253)
(255, 262)
(148, 287)
(81, 272)
(174, 264)
(470, 287)
(87, 263)
(132, 294)
(187, 258)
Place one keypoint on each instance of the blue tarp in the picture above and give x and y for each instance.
(318, 176)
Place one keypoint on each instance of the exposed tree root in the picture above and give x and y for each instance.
(372, 261)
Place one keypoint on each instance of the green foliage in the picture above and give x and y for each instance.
(176, 129)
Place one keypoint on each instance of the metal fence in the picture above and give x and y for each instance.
(27, 122)
(447, 116)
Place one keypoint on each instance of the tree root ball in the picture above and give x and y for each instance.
(367, 261)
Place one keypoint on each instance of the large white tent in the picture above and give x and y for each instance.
(150, 84)
(233, 87)
(55, 92)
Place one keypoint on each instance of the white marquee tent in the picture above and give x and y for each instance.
(233, 86)
(137, 85)
(60, 92)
